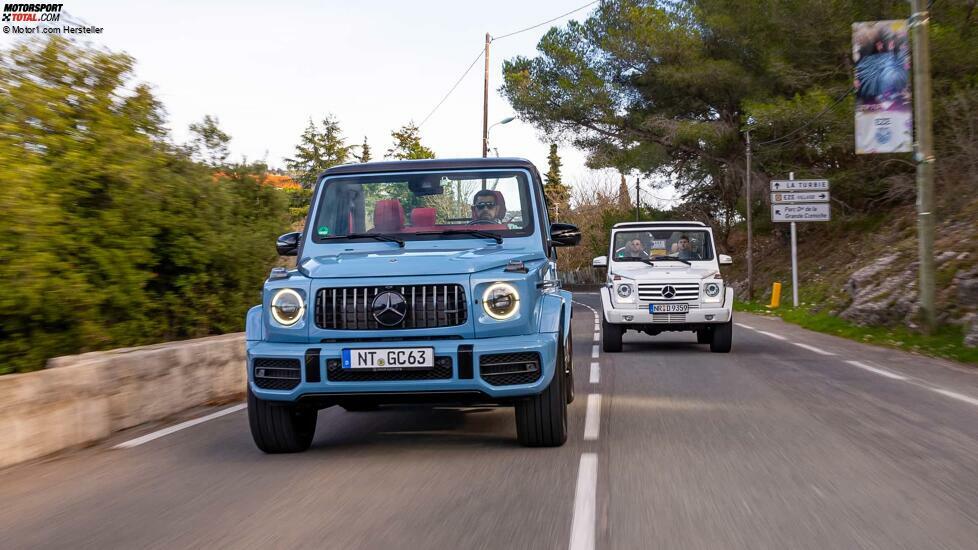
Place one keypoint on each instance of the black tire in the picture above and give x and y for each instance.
(610, 336)
(722, 338)
(704, 336)
(541, 420)
(569, 361)
(280, 428)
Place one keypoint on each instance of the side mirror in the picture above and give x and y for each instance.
(288, 244)
(564, 234)
(600, 261)
(725, 260)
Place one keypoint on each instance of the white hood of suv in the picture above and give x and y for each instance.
(673, 271)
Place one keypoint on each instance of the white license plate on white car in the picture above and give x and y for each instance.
(668, 308)
(389, 358)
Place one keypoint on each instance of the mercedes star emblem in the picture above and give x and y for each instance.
(668, 292)
(389, 308)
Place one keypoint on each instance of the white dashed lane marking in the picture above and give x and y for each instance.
(595, 372)
(772, 335)
(597, 336)
(592, 420)
(594, 352)
(956, 395)
(881, 372)
(585, 496)
(813, 348)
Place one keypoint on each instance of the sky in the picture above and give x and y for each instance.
(264, 69)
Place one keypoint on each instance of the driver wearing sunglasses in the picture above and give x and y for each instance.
(485, 207)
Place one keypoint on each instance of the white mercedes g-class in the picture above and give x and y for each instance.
(665, 276)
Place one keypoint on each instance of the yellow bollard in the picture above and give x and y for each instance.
(775, 296)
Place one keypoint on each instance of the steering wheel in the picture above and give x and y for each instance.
(480, 222)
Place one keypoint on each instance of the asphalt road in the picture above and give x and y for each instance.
(775, 445)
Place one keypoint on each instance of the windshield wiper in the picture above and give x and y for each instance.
(375, 236)
(476, 232)
(672, 258)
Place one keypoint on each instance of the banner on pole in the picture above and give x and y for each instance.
(884, 106)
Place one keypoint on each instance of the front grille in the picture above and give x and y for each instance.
(336, 373)
(276, 374)
(508, 369)
(428, 306)
(668, 317)
(684, 292)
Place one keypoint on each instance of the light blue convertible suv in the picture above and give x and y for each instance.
(430, 281)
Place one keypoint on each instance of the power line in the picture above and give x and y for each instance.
(810, 122)
(482, 52)
(561, 16)
(457, 82)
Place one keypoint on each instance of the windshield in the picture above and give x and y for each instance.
(689, 245)
(473, 204)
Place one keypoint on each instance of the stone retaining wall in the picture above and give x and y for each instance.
(81, 399)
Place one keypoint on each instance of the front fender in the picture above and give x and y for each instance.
(254, 330)
(552, 306)
(606, 304)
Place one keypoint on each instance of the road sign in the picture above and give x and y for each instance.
(806, 196)
(799, 185)
(814, 212)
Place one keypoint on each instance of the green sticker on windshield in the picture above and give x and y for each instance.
(322, 231)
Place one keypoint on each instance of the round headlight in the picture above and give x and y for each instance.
(287, 306)
(625, 291)
(501, 301)
(712, 289)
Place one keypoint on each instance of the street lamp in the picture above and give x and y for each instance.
(485, 138)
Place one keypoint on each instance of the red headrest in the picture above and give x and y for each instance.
(423, 217)
(500, 206)
(388, 216)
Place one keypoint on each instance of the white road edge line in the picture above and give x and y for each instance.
(875, 370)
(813, 348)
(592, 420)
(594, 352)
(956, 395)
(176, 428)
(748, 327)
(583, 523)
(595, 373)
(772, 335)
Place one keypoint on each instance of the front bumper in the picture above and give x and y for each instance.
(638, 313)
(543, 343)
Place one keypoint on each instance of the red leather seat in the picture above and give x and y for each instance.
(388, 216)
(423, 217)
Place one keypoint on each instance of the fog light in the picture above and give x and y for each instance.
(709, 317)
(629, 317)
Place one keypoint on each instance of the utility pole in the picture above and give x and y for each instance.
(638, 197)
(750, 229)
(485, 103)
(924, 155)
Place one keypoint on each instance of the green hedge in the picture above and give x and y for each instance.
(111, 235)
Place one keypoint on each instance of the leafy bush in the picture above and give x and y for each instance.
(112, 236)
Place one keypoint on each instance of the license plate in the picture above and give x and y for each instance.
(668, 308)
(389, 358)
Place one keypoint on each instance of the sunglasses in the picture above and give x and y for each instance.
(485, 205)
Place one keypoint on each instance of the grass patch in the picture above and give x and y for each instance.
(947, 342)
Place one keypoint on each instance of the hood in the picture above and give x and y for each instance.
(407, 262)
(674, 271)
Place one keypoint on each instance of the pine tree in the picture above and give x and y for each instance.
(557, 193)
(318, 149)
(624, 200)
(407, 144)
(364, 155)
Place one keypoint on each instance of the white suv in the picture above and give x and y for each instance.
(665, 276)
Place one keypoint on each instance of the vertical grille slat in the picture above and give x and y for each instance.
(430, 306)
